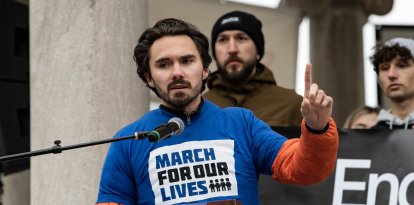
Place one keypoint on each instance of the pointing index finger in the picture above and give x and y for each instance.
(308, 79)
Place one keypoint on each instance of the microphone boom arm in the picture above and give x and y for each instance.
(56, 149)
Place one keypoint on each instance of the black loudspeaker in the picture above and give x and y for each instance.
(14, 84)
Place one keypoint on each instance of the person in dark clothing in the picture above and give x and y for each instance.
(241, 80)
(394, 64)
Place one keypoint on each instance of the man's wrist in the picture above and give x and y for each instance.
(318, 131)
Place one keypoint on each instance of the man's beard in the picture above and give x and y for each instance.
(237, 77)
(180, 99)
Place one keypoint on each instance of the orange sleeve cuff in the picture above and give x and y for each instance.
(309, 159)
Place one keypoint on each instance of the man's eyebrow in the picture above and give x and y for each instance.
(188, 56)
(403, 59)
(222, 35)
(161, 60)
(242, 33)
(166, 59)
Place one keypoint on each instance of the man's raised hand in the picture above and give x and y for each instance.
(316, 106)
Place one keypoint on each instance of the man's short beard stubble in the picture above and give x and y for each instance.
(400, 98)
(180, 99)
(237, 77)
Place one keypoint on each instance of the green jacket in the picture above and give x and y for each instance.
(273, 104)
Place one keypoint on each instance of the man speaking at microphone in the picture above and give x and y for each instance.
(221, 152)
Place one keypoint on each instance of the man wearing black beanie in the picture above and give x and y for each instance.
(241, 80)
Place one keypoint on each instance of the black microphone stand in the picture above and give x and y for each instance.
(56, 149)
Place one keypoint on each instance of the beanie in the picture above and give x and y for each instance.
(403, 42)
(238, 20)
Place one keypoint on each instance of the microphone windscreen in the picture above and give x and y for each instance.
(180, 124)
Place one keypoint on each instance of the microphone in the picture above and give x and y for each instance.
(175, 126)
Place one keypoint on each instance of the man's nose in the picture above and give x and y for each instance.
(177, 71)
(232, 46)
(392, 72)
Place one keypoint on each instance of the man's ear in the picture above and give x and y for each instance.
(257, 56)
(206, 72)
(149, 80)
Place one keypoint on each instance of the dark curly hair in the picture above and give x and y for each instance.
(168, 27)
(385, 53)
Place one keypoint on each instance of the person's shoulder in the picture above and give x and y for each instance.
(238, 113)
(236, 110)
(226, 110)
(136, 125)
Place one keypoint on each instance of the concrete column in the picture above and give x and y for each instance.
(336, 48)
(83, 87)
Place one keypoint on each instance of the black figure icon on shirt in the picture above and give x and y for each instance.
(217, 186)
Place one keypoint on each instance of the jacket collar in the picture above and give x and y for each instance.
(263, 76)
(179, 112)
